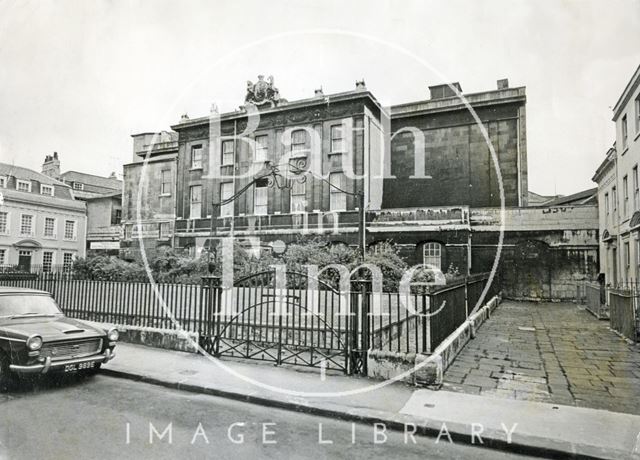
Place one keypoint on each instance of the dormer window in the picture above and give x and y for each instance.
(78, 186)
(46, 190)
(23, 185)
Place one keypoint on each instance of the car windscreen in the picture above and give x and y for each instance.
(28, 305)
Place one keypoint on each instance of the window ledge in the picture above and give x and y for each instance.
(337, 152)
(54, 237)
(165, 194)
(199, 168)
(226, 165)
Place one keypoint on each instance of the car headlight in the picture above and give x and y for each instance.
(34, 343)
(113, 335)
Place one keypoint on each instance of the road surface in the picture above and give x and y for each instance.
(106, 417)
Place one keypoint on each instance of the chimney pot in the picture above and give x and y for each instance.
(318, 92)
(360, 85)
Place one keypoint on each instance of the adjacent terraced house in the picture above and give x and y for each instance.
(619, 191)
(41, 224)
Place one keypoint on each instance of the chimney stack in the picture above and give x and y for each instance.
(51, 166)
(444, 90)
(318, 92)
(503, 83)
(360, 86)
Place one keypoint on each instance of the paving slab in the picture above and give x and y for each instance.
(569, 356)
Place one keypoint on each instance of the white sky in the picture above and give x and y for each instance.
(79, 77)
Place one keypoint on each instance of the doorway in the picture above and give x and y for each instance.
(24, 261)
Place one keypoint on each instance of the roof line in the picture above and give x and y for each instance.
(88, 174)
(635, 79)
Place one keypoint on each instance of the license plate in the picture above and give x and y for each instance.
(78, 366)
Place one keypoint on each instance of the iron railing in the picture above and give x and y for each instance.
(331, 326)
(619, 303)
(623, 312)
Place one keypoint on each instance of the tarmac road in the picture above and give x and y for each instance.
(106, 417)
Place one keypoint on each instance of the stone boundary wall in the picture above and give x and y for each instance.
(167, 339)
(428, 370)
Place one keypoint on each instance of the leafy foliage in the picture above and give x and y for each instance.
(175, 267)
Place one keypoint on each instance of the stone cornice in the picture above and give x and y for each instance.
(44, 201)
(282, 109)
(486, 98)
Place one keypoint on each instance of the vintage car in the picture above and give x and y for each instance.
(37, 338)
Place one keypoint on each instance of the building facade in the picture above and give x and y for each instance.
(429, 181)
(104, 229)
(619, 188)
(458, 162)
(335, 136)
(103, 196)
(149, 196)
(41, 224)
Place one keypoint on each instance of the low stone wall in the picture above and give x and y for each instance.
(428, 370)
(167, 339)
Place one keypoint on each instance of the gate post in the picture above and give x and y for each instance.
(360, 299)
(209, 327)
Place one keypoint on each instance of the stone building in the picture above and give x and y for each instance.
(41, 224)
(425, 171)
(149, 199)
(619, 191)
(103, 196)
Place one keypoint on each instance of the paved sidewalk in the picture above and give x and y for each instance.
(542, 429)
(549, 352)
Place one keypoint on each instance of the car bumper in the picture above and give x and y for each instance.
(48, 365)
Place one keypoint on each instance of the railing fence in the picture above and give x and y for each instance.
(409, 323)
(623, 308)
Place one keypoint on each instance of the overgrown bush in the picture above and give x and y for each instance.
(107, 268)
(173, 266)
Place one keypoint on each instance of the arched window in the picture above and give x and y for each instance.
(432, 254)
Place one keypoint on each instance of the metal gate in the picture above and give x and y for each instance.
(290, 319)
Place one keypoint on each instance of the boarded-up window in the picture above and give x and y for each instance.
(338, 198)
